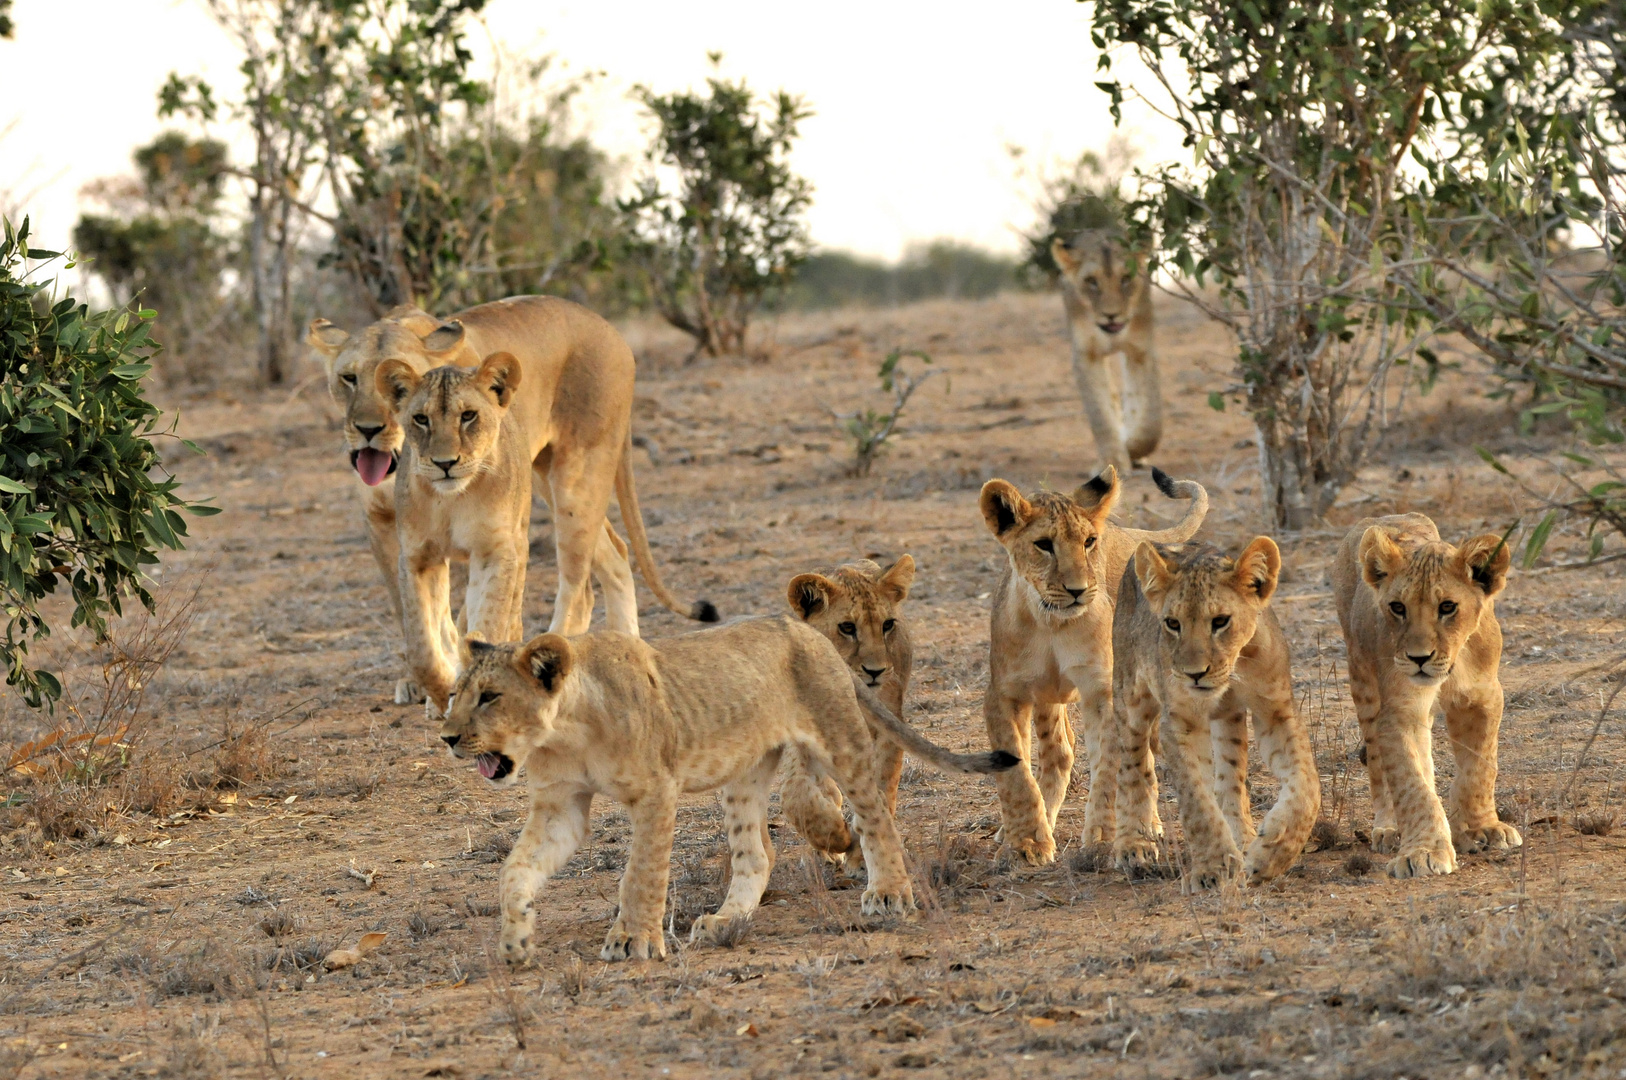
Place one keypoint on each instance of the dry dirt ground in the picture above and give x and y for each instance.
(309, 810)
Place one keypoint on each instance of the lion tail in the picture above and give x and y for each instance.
(626, 494)
(923, 748)
(1186, 527)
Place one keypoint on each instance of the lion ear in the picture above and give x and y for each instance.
(1380, 557)
(1486, 560)
(473, 644)
(898, 578)
(326, 338)
(395, 380)
(1003, 507)
(413, 318)
(547, 659)
(444, 338)
(1065, 257)
(1098, 495)
(500, 374)
(1258, 568)
(810, 594)
(1152, 571)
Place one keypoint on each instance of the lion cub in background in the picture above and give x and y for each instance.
(1419, 618)
(1197, 644)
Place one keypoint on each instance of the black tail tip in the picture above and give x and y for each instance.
(1164, 482)
(705, 611)
(1003, 759)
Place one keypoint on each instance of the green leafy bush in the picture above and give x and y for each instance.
(940, 268)
(871, 432)
(79, 503)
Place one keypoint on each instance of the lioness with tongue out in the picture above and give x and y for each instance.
(573, 404)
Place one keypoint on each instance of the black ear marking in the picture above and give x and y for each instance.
(810, 599)
(1097, 485)
(545, 669)
(1481, 575)
(480, 645)
(1004, 515)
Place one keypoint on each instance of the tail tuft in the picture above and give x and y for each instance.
(1164, 482)
(1003, 759)
(704, 611)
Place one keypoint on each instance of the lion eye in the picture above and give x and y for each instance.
(1221, 622)
(1172, 624)
(1047, 546)
(1089, 543)
(348, 378)
(886, 627)
(850, 629)
(420, 419)
(1091, 283)
(1448, 607)
(488, 696)
(469, 415)
(1398, 608)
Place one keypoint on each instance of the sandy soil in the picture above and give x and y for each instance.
(187, 944)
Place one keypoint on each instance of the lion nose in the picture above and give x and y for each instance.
(874, 672)
(367, 432)
(1074, 593)
(451, 740)
(1197, 676)
(445, 465)
(1419, 660)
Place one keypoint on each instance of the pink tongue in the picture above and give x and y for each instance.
(373, 465)
(488, 765)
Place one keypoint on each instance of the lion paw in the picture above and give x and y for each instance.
(516, 945)
(895, 901)
(407, 692)
(1135, 856)
(1037, 849)
(1497, 836)
(715, 929)
(622, 943)
(1212, 873)
(1268, 859)
(1424, 860)
(1385, 839)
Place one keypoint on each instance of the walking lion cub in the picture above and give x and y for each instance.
(606, 713)
(1197, 644)
(1419, 618)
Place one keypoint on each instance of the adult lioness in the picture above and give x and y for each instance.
(1107, 293)
(858, 608)
(575, 402)
(1050, 643)
(1195, 642)
(1419, 619)
(642, 723)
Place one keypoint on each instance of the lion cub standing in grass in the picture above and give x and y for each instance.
(858, 607)
(1419, 618)
(1050, 643)
(1108, 296)
(609, 714)
(1195, 643)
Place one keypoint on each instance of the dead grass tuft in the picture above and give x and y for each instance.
(1359, 864)
(732, 933)
(422, 925)
(200, 971)
(1091, 859)
(1600, 823)
(1326, 836)
(243, 757)
(279, 924)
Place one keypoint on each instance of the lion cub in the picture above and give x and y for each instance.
(609, 714)
(1196, 643)
(1050, 643)
(1419, 618)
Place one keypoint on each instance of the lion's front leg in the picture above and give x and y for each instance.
(1405, 751)
(1473, 720)
(636, 932)
(1215, 857)
(1363, 689)
(1135, 843)
(554, 830)
(496, 594)
(1093, 681)
(1024, 827)
(1143, 396)
(745, 810)
(1053, 737)
(1096, 386)
(1285, 746)
(425, 599)
(1228, 734)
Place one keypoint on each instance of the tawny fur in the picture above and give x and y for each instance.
(858, 607)
(1107, 293)
(643, 723)
(1197, 648)
(576, 407)
(1050, 644)
(1419, 620)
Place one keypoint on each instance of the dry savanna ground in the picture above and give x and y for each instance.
(166, 913)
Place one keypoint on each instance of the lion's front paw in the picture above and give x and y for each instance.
(888, 901)
(1212, 872)
(407, 692)
(625, 943)
(1424, 860)
(1268, 859)
(1385, 839)
(516, 944)
(1101, 828)
(717, 929)
(1037, 847)
(1497, 836)
(1135, 855)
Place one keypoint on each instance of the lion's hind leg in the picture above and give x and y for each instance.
(853, 767)
(811, 802)
(745, 810)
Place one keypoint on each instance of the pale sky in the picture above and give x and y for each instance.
(915, 102)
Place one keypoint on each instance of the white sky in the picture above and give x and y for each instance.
(915, 102)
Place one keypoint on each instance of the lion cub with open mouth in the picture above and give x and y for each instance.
(609, 714)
